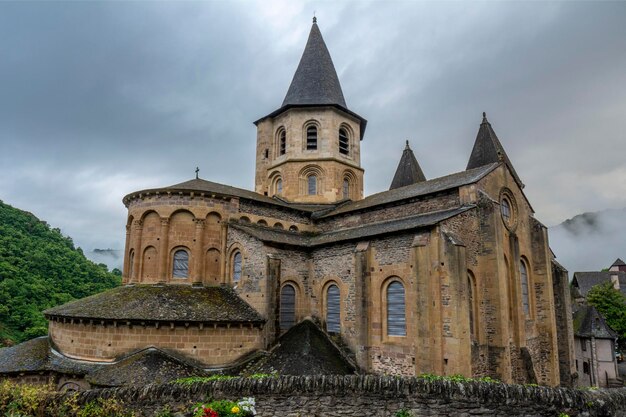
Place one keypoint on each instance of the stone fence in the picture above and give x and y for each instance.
(329, 396)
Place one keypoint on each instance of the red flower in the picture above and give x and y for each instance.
(209, 413)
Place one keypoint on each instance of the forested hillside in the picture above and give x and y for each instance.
(40, 268)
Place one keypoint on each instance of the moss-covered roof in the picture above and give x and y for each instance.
(305, 350)
(170, 303)
(35, 355)
(588, 322)
(147, 366)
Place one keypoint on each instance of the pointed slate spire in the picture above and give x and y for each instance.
(315, 80)
(488, 150)
(408, 171)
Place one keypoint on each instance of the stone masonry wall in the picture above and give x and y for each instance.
(330, 396)
(209, 345)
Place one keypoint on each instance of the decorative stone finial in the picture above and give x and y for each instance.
(197, 171)
(407, 145)
(314, 18)
(484, 117)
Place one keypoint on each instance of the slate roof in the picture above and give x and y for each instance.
(488, 149)
(305, 350)
(35, 355)
(408, 171)
(148, 366)
(588, 322)
(213, 188)
(619, 262)
(171, 303)
(307, 240)
(435, 185)
(584, 281)
(315, 80)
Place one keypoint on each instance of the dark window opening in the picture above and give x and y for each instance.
(311, 138)
(312, 184)
(287, 307)
(283, 142)
(333, 309)
(237, 267)
(344, 143)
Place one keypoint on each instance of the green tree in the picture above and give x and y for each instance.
(611, 303)
(40, 268)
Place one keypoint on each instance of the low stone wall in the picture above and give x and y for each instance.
(329, 396)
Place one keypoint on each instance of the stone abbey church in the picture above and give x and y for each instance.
(451, 275)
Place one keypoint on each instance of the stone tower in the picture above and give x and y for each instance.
(308, 151)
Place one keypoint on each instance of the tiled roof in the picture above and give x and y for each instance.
(35, 355)
(408, 171)
(619, 262)
(488, 150)
(169, 303)
(278, 236)
(584, 281)
(588, 322)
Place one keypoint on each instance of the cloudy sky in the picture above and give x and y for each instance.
(98, 99)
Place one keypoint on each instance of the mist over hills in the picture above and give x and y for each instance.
(590, 241)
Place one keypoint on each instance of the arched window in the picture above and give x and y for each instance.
(282, 142)
(346, 188)
(131, 264)
(396, 310)
(344, 142)
(311, 138)
(180, 268)
(333, 309)
(279, 186)
(237, 266)
(312, 184)
(524, 282)
(505, 208)
(287, 307)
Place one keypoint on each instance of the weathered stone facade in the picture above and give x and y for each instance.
(453, 275)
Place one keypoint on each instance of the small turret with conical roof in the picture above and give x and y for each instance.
(408, 171)
(488, 150)
(308, 151)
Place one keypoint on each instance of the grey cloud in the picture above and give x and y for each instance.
(102, 98)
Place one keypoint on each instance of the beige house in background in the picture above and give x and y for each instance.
(450, 275)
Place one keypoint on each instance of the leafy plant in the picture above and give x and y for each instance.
(402, 413)
(611, 303)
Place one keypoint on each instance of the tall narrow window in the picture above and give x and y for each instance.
(346, 188)
(524, 280)
(282, 142)
(471, 301)
(333, 309)
(181, 264)
(311, 138)
(236, 266)
(505, 208)
(396, 310)
(287, 307)
(131, 264)
(312, 184)
(279, 186)
(344, 143)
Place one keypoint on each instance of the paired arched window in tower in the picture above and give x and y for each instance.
(311, 184)
(525, 292)
(333, 309)
(396, 309)
(287, 316)
(236, 269)
(311, 138)
(282, 142)
(344, 141)
(180, 267)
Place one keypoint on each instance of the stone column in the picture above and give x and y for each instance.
(224, 249)
(163, 250)
(197, 253)
(126, 275)
(138, 228)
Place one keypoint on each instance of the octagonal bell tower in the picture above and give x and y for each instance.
(308, 151)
